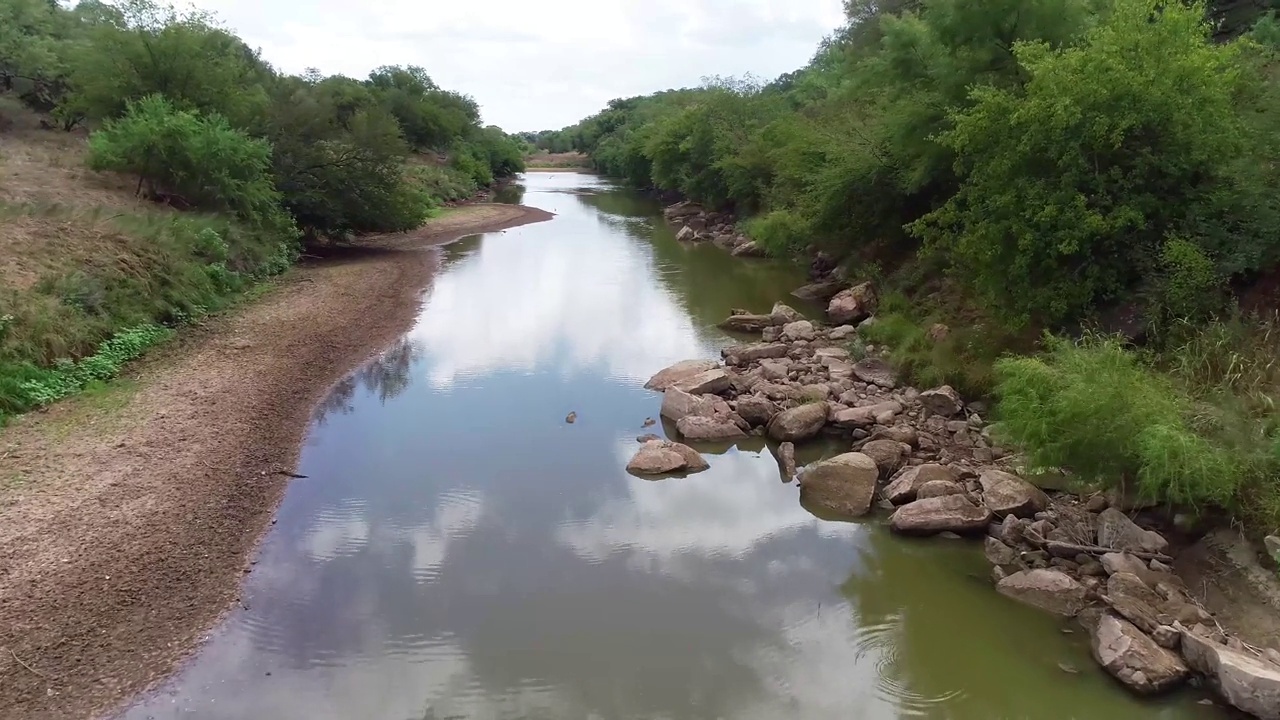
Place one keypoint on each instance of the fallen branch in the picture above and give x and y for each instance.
(288, 474)
(1054, 545)
(19, 660)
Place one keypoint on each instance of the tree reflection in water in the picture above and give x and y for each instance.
(386, 376)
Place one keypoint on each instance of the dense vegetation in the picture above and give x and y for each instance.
(1009, 168)
(254, 162)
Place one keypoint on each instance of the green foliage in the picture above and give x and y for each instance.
(200, 158)
(443, 182)
(1142, 429)
(781, 232)
(25, 387)
(1190, 281)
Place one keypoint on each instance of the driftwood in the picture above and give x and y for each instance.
(1054, 545)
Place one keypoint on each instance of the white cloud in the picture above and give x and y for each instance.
(539, 65)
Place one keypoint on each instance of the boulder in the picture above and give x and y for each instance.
(680, 371)
(783, 314)
(938, 488)
(787, 461)
(906, 486)
(747, 323)
(874, 371)
(944, 401)
(1133, 600)
(750, 248)
(867, 415)
(819, 291)
(888, 455)
(1118, 532)
(659, 457)
(711, 382)
(678, 404)
(1248, 683)
(844, 484)
(687, 234)
(799, 330)
(756, 352)
(775, 369)
(799, 424)
(1133, 658)
(852, 305)
(1125, 563)
(930, 516)
(844, 332)
(1050, 590)
(1008, 494)
(829, 355)
(709, 429)
(998, 553)
(756, 410)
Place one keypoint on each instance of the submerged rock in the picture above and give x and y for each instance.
(1050, 590)
(1008, 494)
(930, 516)
(1246, 682)
(661, 457)
(798, 424)
(844, 484)
(1133, 658)
(680, 371)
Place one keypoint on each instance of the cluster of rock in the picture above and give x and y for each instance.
(700, 225)
(930, 458)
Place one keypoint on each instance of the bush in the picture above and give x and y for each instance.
(1094, 408)
(443, 183)
(781, 232)
(202, 159)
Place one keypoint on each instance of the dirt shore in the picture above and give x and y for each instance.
(127, 519)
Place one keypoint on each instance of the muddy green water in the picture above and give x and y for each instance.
(459, 551)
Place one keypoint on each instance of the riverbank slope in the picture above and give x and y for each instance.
(127, 518)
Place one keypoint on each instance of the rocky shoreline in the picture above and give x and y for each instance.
(933, 463)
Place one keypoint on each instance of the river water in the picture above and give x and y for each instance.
(458, 550)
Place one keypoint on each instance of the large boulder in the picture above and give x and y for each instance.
(930, 516)
(678, 404)
(844, 484)
(747, 323)
(997, 553)
(711, 382)
(888, 455)
(875, 371)
(1051, 590)
(799, 330)
(1250, 684)
(906, 486)
(783, 313)
(754, 353)
(867, 416)
(750, 248)
(1133, 658)
(820, 291)
(1007, 494)
(944, 401)
(659, 457)
(687, 234)
(1129, 596)
(1118, 532)
(756, 410)
(680, 371)
(853, 305)
(799, 424)
(938, 488)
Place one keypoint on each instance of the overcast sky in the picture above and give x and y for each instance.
(537, 64)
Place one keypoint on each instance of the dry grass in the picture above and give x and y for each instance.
(557, 161)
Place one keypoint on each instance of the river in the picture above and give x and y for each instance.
(458, 550)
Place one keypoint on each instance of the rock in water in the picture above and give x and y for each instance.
(1133, 658)
(853, 305)
(1008, 494)
(747, 323)
(571, 418)
(951, 513)
(875, 371)
(750, 249)
(707, 429)
(798, 424)
(944, 401)
(687, 234)
(680, 371)
(783, 313)
(710, 382)
(844, 484)
(819, 291)
(998, 553)
(678, 404)
(906, 485)
(1050, 590)
(660, 458)
(787, 460)
(1248, 683)
(1118, 532)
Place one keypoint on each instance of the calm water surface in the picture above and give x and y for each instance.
(459, 551)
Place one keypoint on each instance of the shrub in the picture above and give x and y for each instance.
(781, 232)
(1093, 407)
(443, 183)
(200, 158)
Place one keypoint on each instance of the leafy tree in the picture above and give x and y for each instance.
(1070, 186)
